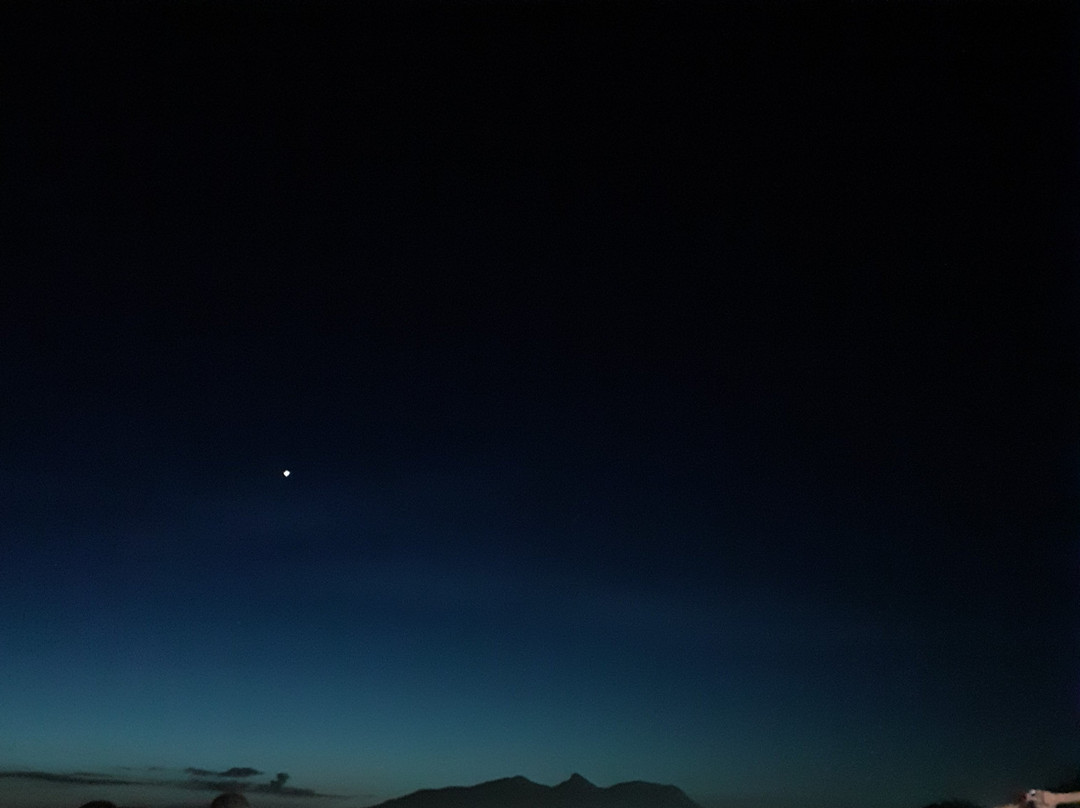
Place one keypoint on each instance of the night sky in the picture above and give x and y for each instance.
(671, 391)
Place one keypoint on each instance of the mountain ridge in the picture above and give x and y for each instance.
(520, 792)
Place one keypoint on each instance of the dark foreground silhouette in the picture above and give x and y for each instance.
(513, 792)
(227, 800)
(520, 792)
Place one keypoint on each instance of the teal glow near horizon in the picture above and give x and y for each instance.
(405, 395)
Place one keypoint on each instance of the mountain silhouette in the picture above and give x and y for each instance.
(575, 785)
(520, 792)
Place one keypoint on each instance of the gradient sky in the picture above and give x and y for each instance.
(670, 393)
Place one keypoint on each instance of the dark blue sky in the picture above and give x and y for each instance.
(670, 393)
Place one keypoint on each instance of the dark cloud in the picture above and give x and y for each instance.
(79, 778)
(236, 785)
(194, 782)
(235, 771)
(241, 787)
(217, 785)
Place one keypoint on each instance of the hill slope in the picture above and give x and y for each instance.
(519, 792)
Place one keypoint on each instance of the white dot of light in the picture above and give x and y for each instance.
(286, 472)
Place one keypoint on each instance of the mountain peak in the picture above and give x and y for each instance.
(520, 792)
(576, 782)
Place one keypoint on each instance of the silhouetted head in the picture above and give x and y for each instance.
(229, 800)
(99, 804)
